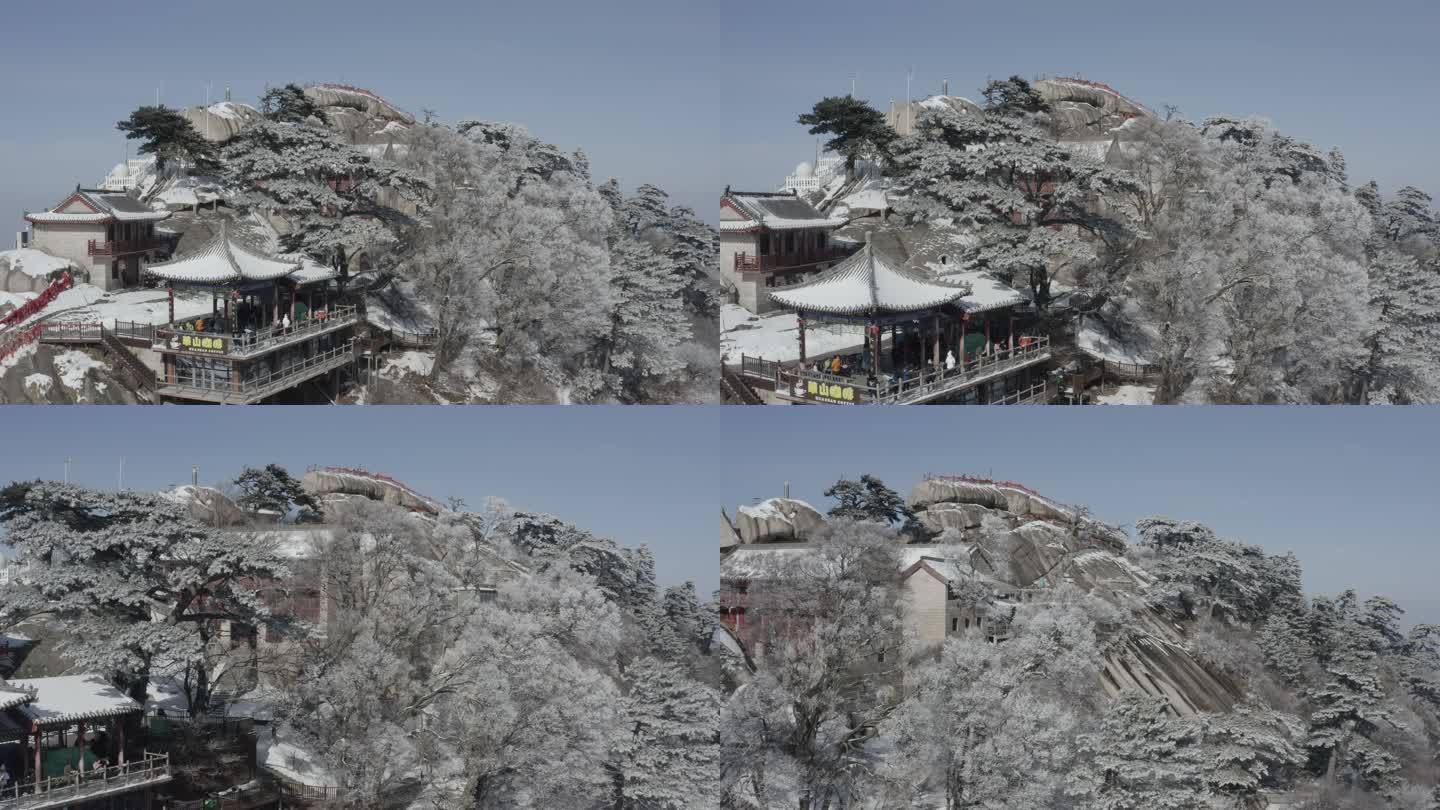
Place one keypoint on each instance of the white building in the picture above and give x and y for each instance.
(771, 239)
(803, 180)
(109, 235)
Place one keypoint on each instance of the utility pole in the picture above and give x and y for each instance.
(909, 116)
(194, 475)
(67, 470)
(852, 83)
(120, 480)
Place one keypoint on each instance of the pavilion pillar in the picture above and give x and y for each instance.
(80, 740)
(228, 327)
(172, 305)
(987, 331)
(894, 345)
(938, 361)
(1012, 331)
(801, 321)
(964, 321)
(39, 744)
(120, 755)
(875, 334)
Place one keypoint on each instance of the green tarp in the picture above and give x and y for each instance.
(55, 759)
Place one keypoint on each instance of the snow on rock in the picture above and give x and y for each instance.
(283, 754)
(942, 516)
(777, 519)
(40, 384)
(221, 121)
(207, 505)
(1129, 395)
(776, 337)
(331, 481)
(74, 366)
(1097, 340)
(410, 362)
(27, 270)
(13, 359)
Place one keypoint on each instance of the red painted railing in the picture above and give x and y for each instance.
(39, 302)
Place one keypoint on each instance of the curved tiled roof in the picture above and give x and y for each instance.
(223, 261)
(869, 282)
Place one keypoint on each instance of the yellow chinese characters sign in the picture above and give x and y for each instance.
(830, 392)
(202, 343)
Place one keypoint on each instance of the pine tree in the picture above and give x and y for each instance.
(272, 489)
(667, 757)
(1403, 365)
(140, 588)
(859, 130)
(1140, 758)
(170, 137)
(290, 105)
(648, 323)
(1026, 198)
(336, 198)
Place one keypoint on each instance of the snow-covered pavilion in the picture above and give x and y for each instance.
(272, 317)
(69, 734)
(926, 318)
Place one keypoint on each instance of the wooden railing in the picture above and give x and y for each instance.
(120, 247)
(83, 785)
(745, 263)
(1037, 393)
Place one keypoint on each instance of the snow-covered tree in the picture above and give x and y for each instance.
(1029, 201)
(272, 490)
(648, 323)
(996, 725)
(141, 588)
(513, 246)
(666, 757)
(860, 131)
(335, 198)
(833, 639)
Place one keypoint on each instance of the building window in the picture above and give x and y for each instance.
(764, 249)
(967, 624)
(944, 259)
(790, 242)
(882, 657)
(115, 270)
(954, 625)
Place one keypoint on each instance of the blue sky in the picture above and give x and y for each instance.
(1350, 490)
(634, 474)
(632, 83)
(1360, 76)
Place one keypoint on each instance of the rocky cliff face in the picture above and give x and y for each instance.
(41, 374)
(334, 485)
(1025, 540)
(777, 519)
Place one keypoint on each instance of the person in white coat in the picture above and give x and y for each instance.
(950, 360)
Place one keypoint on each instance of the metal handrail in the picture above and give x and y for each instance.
(272, 382)
(899, 390)
(262, 340)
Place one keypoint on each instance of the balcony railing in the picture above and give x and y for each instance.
(816, 386)
(745, 263)
(87, 785)
(120, 247)
(211, 388)
(252, 343)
